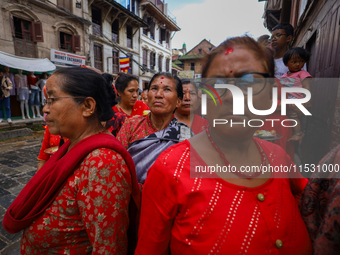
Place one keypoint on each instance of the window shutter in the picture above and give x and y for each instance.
(167, 36)
(37, 32)
(76, 42)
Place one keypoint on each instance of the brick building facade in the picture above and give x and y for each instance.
(193, 60)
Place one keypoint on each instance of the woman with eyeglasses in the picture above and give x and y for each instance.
(78, 202)
(215, 193)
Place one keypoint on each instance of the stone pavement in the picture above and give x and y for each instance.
(18, 162)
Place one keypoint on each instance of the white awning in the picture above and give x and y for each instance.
(26, 64)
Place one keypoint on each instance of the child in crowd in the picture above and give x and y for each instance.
(295, 59)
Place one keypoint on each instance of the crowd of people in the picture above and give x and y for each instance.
(124, 179)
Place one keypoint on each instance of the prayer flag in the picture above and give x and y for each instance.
(124, 64)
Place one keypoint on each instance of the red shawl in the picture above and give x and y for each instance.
(42, 189)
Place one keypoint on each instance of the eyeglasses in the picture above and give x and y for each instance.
(254, 80)
(276, 36)
(50, 100)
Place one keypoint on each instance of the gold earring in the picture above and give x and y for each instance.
(91, 112)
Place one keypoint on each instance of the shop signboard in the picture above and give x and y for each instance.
(67, 58)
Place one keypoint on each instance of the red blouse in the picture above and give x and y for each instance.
(198, 124)
(135, 128)
(184, 215)
(31, 80)
(90, 214)
(137, 109)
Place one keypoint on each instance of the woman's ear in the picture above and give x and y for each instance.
(89, 105)
(178, 103)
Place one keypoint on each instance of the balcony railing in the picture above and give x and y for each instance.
(129, 42)
(114, 37)
(171, 16)
(160, 6)
(96, 29)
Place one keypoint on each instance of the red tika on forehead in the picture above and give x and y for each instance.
(229, 50)
(162, 77)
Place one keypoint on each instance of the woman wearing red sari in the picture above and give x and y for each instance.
(191, 207)
(78, 202)
(128, 91)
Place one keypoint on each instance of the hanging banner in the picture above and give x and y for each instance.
(124, 64)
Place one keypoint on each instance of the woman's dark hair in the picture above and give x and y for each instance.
(123, 81)
(110, 90)
(83, 82)
(188, 81)
(263, 54)
(177, 81)
(296, 52)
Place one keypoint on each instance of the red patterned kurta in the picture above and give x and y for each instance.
(134, 129)
(185, 215)
(89, 215)
(137, 109)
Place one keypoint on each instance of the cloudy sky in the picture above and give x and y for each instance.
(215, 20)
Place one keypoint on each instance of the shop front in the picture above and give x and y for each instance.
(26, 65)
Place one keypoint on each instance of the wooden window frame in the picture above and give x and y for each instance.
(116, 33)
(145, 58)
(129, 37)
(115, 61)
(167, 65)
(63, 34)
(152, 60)
(94, 53)
(160, 63)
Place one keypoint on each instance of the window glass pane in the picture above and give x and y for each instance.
(133, 3)
(17, 27)
(67, 38)
(26, 25)
(128, 5)
(123, 2)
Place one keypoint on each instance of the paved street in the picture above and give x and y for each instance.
(18, 161)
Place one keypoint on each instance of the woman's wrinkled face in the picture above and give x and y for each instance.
(189, 101)
(63, 114)
(162, 96)
(130, 94)
(232, 65)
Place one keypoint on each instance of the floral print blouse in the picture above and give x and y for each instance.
(135, 128)
(89, 215)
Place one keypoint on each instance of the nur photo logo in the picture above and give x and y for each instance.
(249, 85)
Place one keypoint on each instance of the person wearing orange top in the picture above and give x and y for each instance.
(128, 91)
